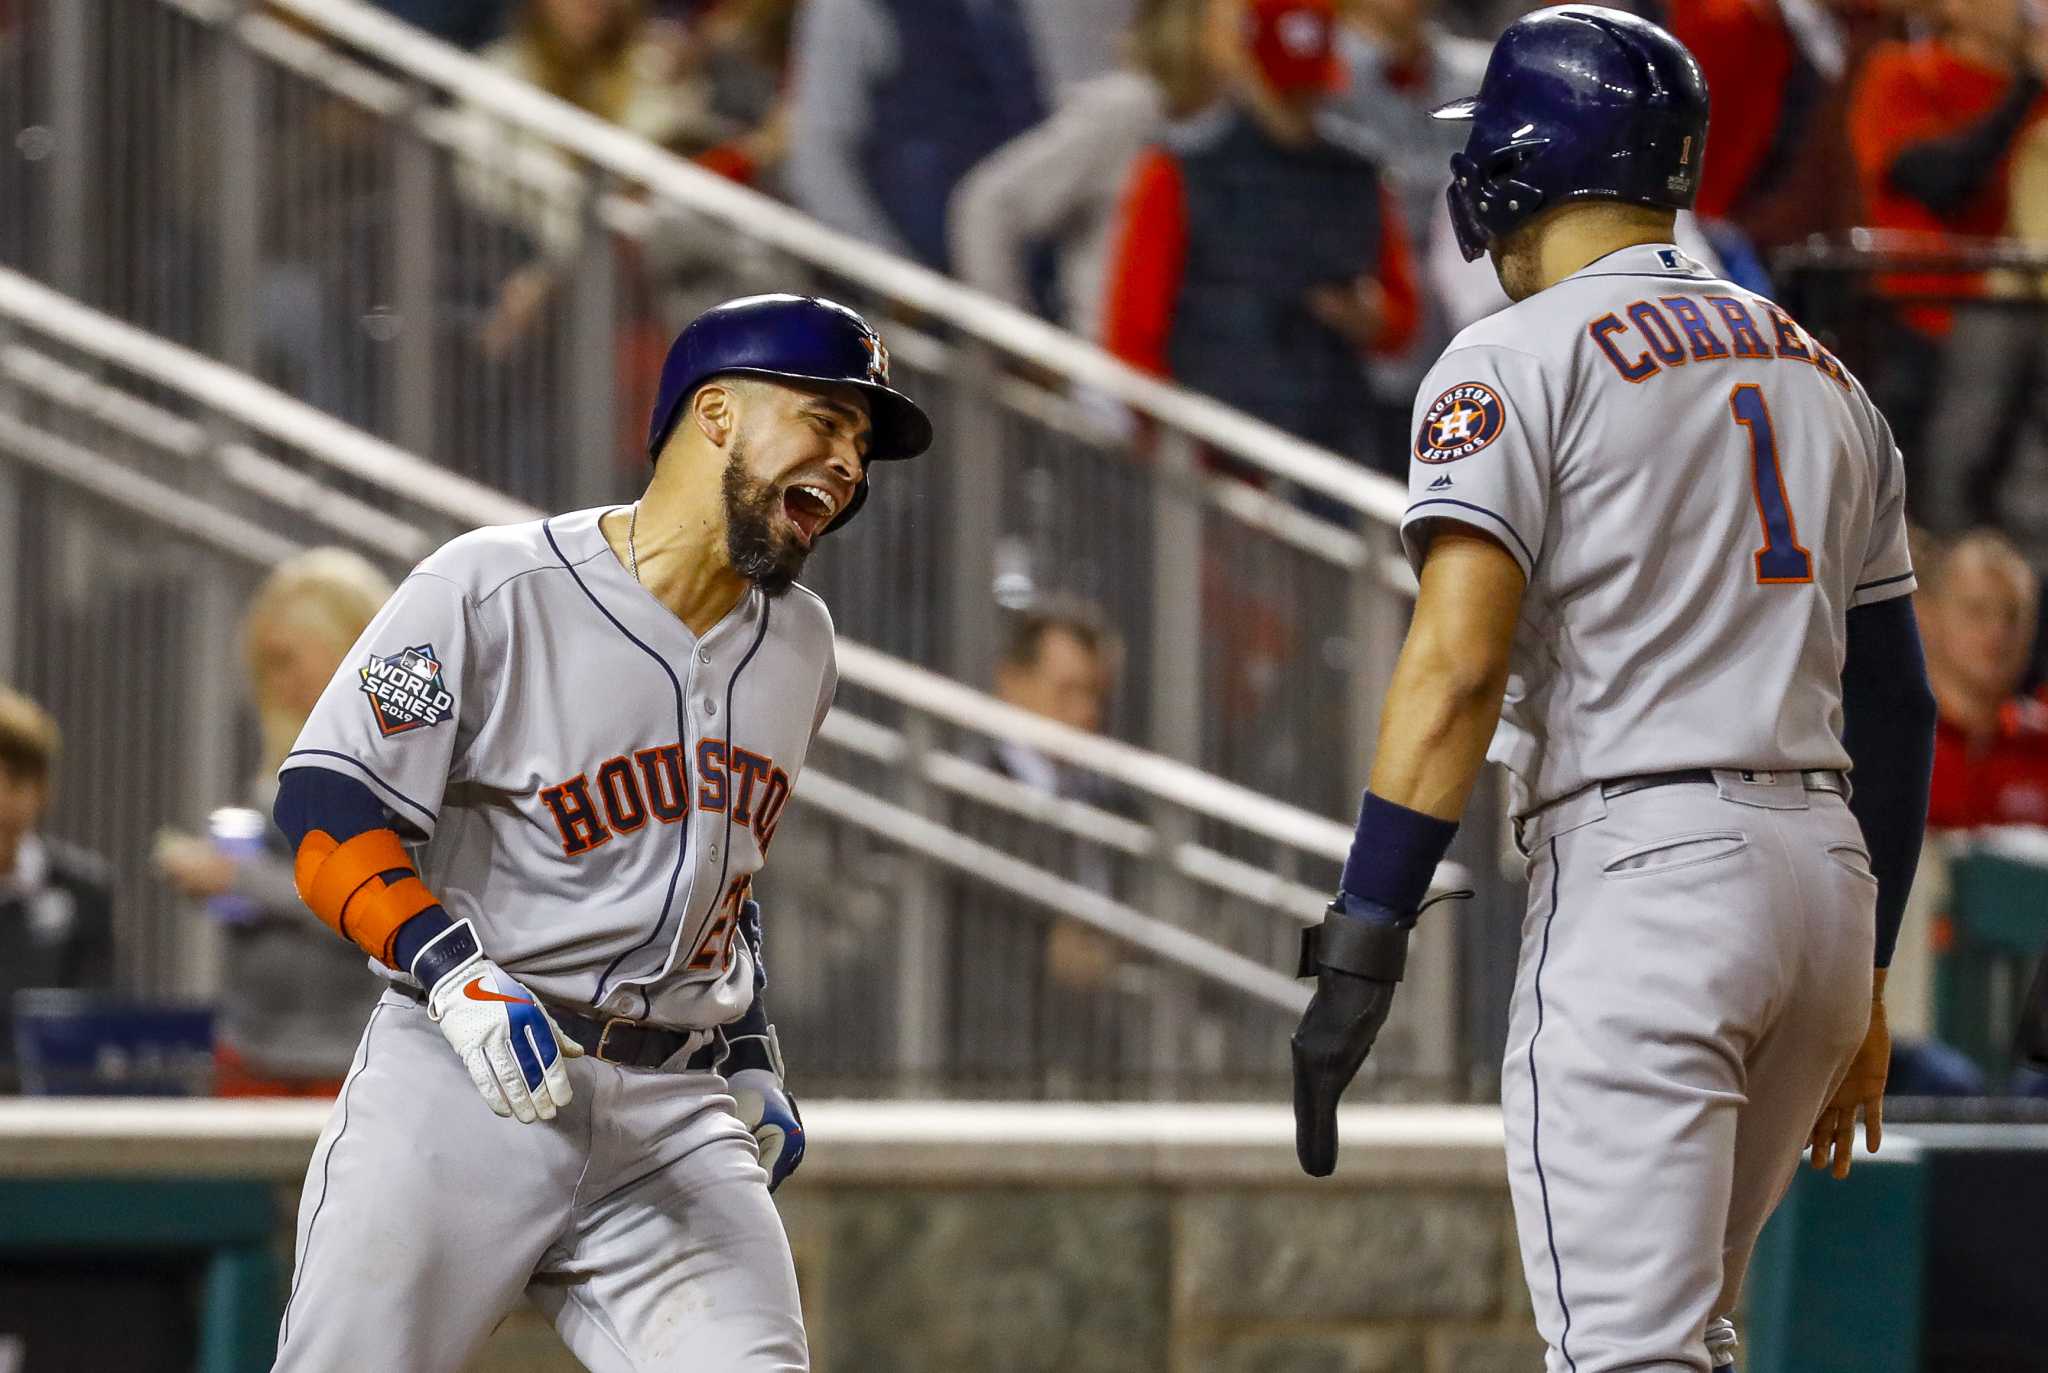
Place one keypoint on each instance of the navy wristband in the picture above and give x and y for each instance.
(1393, 857)
(447, 951)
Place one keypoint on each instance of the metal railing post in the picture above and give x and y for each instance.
(1176, 710)
(974, 477)
(922, 954)
(416, 216)
(591, 366)
(14, 584)
(1376, 622)
(238, 190)
(74, 109)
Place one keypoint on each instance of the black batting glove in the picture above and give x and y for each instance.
(1357, 960)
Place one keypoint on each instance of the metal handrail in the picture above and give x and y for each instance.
(536, 114)
(37, 309)
(28, 310)
(1902, 250)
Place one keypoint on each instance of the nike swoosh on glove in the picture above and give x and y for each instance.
(770, 1112)
(513, 1049)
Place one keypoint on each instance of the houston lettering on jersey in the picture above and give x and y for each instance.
(1650, 336)
(621, 794)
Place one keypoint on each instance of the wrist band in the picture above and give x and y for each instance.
(1395, 854)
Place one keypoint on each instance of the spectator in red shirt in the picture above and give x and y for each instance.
(1261, 256)
(1780, 74)
(1977, 612)
(1933, 124)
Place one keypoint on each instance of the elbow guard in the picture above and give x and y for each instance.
(364, 888)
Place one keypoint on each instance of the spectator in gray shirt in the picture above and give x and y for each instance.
(294, 998)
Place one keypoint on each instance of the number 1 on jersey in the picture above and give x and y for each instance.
(1781, 560)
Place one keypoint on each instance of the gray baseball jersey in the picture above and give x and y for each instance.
(1698, 492)
(594, 785)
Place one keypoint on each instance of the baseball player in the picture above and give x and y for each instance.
(536, 794)
(1660, 537)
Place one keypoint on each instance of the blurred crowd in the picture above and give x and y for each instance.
(1244, 196)
(1125, 168)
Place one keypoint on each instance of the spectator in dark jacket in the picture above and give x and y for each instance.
(465, 23)
(893, 101)
(1261, 256)
(56, 902)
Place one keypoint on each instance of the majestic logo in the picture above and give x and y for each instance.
(878, 358)
(406, 691)
(1459, 423)
(1442, 483)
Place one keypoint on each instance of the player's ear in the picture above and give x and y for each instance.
(715, 409)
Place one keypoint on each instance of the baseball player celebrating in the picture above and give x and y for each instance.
(1650, 511)
(536, 795)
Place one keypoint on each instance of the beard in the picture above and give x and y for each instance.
(759, 549)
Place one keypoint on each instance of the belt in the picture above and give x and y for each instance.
(629, 1043)
(1812, 780)
(637, 1045)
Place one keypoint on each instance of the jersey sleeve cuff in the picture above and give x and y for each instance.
(1415, 536)
(1883, 589)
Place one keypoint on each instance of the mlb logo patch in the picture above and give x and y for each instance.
(406, 690)
(1459, 423)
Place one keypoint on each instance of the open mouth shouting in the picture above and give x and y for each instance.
(810, 507)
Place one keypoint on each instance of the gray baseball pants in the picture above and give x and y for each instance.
(638, 1220)
(1694, 979)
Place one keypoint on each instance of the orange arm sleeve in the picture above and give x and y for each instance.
(1403, 293)
(344, 884)
(1146, 267)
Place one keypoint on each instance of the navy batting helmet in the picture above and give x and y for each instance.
(1579, 102)
(791, 338)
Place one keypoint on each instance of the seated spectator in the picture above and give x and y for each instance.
(1933, 124)
(894, 101)
(293, 998)
(1200, 289)
(602, 57)
(465, 23)
(1977, 610)
(1060, 182)
(737, 54)
(56, 901)
(1056, 979)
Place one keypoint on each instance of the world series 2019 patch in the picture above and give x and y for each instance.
(1459, 423)
(406, 690)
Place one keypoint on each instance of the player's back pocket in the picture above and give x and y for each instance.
(1673, 852)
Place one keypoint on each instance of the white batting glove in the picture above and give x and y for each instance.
(764, 1104)
(512, 1048)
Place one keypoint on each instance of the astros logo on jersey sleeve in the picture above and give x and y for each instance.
(1459, 423)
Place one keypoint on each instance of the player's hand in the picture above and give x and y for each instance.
(2031, 1044)
(1834, 1134)
(511, 1046)
(1329, 1047)
(767, 1108)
